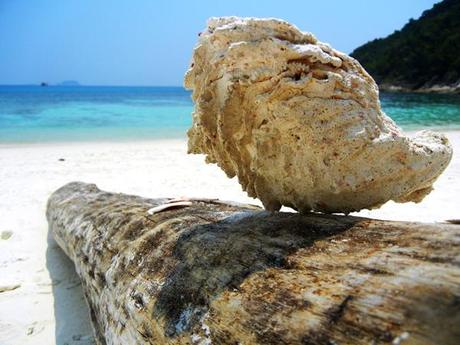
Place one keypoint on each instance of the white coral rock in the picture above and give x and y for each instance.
(300, 123)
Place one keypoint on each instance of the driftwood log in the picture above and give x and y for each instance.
(209, 272)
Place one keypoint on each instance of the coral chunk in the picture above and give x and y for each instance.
(299, 123)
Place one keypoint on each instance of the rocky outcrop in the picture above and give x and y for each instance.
(299, 123)
(427, 88)
(206, 272)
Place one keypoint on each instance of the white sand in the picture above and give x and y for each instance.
(48, 306)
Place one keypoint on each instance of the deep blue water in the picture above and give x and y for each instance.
(58, 113)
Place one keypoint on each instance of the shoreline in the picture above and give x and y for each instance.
(140, 141)
(441, 89)
(143, 141)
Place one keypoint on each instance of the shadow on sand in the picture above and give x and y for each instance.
(72, 318)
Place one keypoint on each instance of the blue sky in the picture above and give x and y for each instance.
(149, 42)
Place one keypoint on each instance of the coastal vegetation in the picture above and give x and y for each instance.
(424, 55)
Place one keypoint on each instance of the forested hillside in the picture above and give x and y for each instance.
(424, 54)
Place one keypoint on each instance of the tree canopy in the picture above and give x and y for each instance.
(423, 53)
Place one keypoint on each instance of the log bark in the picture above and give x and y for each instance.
(209, 272)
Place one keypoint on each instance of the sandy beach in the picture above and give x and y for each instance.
(40, 296)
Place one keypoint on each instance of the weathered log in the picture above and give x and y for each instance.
(212, 272)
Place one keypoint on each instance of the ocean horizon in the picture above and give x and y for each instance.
(33, 114)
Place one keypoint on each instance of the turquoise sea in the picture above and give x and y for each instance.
(80, 113)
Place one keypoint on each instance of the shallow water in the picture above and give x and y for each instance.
(57, 113)
(417, 111)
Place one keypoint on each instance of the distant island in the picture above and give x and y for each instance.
(69, 83)
(424, 56)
